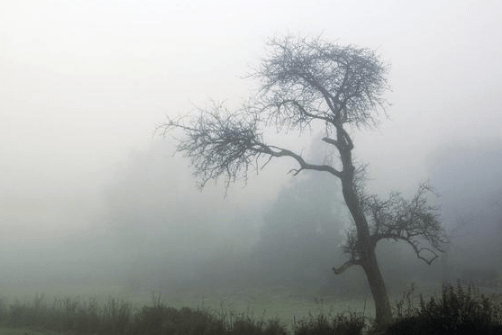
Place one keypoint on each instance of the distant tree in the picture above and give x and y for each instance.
(299, 231)
(312, 84)
(472, 208)
(151, 222)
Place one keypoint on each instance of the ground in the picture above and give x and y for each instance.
(24, 331)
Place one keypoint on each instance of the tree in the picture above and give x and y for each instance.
(471, 208)
(310, 84)
(299, 231)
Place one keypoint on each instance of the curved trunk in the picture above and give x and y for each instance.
(366, 247)
(383, 312)
(369, 263)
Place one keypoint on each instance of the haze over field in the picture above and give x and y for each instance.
(92, 197)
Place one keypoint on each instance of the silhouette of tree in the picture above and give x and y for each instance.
(312, 84)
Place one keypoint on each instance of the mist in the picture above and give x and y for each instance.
(95, 201)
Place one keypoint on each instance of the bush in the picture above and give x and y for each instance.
(458, 311)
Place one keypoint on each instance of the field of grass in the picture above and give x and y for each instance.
(285, 304)
(277, 310)
(25, 331)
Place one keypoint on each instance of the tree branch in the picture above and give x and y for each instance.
(275, 151)
(219, 143)
(344, 267)
(413, 222)
(344, 84)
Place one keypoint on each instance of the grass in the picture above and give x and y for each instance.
(24, 331)
(113, 316)
(456, 309)
(284, 303)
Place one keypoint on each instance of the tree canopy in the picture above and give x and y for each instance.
(304, 81)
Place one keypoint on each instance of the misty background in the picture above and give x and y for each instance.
(92, 198)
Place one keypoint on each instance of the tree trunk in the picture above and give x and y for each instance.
(369, 263)
(383, 312)
(366, 248)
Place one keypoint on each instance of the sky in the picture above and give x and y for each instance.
(84, 84)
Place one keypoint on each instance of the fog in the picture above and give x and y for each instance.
(94, 201)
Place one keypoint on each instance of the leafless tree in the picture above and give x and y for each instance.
(308, 83)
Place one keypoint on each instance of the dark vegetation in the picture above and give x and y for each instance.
(458, 310)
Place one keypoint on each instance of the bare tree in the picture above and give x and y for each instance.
(309, 83)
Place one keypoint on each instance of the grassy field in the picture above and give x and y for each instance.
(288, 306)
(25, 331)
(285, 303)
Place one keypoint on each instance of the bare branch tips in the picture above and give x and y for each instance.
(220, 143)
(413, 221)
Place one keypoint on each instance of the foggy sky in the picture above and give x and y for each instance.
(83, 85)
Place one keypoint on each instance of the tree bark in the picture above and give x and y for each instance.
(367, 254)
(366, 247)
(383, 312)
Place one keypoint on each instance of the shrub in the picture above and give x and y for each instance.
(458, 311)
